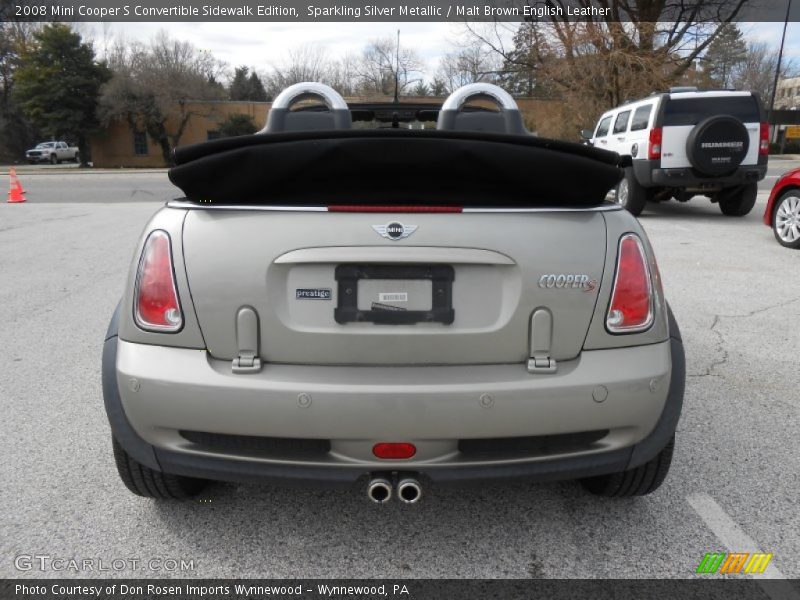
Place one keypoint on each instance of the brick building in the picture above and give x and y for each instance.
(121, 145)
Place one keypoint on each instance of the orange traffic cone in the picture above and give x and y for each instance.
(12, 172)
(15, 192)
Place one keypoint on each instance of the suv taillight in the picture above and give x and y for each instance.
(763, 140)
(631, 307)
(156, 305)
(654, 147)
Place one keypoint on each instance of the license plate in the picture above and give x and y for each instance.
(395, 294)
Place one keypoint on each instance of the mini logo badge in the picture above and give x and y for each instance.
(395, 231)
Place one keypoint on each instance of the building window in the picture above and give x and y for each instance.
(140, 143)
(212, 135)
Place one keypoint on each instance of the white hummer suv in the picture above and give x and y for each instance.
(685, 143)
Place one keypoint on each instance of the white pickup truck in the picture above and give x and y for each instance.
(54, 152)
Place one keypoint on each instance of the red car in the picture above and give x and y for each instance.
(783, 210)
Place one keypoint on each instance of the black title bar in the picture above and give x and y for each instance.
(394, 10)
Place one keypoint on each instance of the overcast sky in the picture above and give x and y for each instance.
(262, 45)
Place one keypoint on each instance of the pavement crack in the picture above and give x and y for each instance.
(720, 349)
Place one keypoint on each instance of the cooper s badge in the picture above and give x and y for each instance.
(394, 231)
(564, 280)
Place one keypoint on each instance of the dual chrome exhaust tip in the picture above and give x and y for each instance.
(380, 490)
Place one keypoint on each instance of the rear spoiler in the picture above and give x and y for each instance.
(445, 166)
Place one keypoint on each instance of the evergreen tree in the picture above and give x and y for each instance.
(246, 86)
(438, 87)
(421, 89)
(256, 91)
(518, 70)
(58, 85)
(239, 88)
(725, 54)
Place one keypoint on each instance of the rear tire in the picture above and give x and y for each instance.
(738, 202)
(630, 194)
(638, 481)
(146, 482)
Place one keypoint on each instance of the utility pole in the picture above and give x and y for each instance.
(778, 72)
(397, 69)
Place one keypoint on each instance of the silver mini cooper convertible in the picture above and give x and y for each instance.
(396, 295)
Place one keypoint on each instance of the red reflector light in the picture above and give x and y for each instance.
(654, 147)
(763, 139)
(410, 208)
(631, 308)
(394, 450)
(156, 305)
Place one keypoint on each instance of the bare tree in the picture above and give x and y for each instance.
(591, 65)
(757, 71)
(468, 64)
(154, 85)
(381, 65)
(343, 75)
(310, 62)
(306, 63)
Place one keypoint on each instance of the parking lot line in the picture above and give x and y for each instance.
(736, 540)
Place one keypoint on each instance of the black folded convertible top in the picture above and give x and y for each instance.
(395, 166)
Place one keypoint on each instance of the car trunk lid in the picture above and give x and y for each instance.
(322, 287)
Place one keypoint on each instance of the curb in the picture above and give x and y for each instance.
(78, 171)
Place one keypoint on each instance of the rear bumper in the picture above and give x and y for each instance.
(649, 174)
(355, 407)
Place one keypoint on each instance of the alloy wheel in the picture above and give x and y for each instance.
(622, 193)
(787, 219)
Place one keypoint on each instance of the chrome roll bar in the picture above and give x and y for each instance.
(310, 89)
(276, 119)
(479, 90)
(506, 120)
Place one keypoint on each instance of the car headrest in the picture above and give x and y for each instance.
(507, 119)
(282, 118)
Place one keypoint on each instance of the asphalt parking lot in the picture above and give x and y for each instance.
(733, 486)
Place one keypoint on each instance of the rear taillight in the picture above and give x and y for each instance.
(654, 146)
(156, 305)
(631, 308)
(763, 140)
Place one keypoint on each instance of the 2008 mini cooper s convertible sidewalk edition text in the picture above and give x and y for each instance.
(398, 305)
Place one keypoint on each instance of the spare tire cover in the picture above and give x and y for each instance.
(717, 145)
